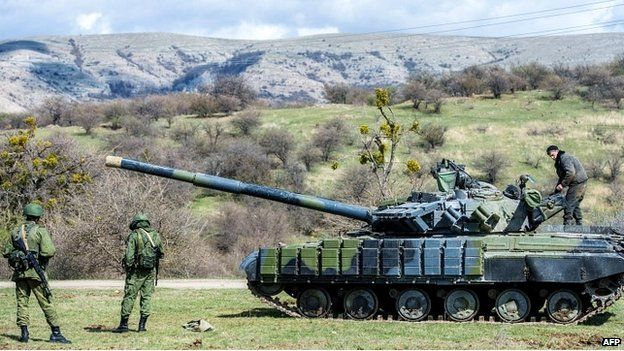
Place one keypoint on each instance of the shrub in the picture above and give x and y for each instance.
(614, 167)
(492, 164)
(91, 239)
(246, 121)
(336, 93)
(277, 142)
(241, 228)
(203, 105)
(433, 135)
(557, 86)
(88, 116)
(534, 73)
(226, 88)
(498, 81)
(241, 159)
(309, 155)
(595, 168)
(327, 139)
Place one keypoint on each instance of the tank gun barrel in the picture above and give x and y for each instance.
(238, 187)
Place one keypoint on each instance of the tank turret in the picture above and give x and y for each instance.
(462, 204)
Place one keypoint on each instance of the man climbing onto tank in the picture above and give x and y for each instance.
(29, 249)
(143, 252)
(573, 176)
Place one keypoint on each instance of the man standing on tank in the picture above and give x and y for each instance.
(573, 176)
(144, 250)
(37, 241)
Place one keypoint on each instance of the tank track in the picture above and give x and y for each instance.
(599, 305)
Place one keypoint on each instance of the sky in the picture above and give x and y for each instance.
(280, 19)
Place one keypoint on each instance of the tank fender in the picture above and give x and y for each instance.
(249, 265)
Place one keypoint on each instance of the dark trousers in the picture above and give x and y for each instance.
(574, 196)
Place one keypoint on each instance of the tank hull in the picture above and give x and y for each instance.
(526, 269)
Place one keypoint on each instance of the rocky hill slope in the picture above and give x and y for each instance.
(124, 65)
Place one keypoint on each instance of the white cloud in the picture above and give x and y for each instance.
(93, 23)
(252, 31)
(86, 21)
(317, 30)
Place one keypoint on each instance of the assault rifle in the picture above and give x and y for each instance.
(32, 262)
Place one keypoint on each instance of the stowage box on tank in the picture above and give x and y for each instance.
(467, 251)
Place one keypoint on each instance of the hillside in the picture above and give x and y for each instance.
(123, 65)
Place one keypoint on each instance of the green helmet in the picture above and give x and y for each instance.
(33, 210)
(137, 219)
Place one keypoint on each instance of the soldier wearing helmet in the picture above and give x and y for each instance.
(143, 251)
(36, 239)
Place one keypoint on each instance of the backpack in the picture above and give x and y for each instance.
(148, 253)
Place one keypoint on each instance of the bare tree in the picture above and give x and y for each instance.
(247, 121)
(277, 142)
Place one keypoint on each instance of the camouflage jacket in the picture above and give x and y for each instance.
(569, 170)
(130, 259)
(38, 240)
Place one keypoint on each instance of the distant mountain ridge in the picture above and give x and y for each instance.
(124, 65)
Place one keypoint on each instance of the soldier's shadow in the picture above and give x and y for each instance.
(98, 329)
(16, 337)
(599, 319)
(257, 312)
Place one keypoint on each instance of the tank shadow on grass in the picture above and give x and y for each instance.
(256, 312)
(599, 319)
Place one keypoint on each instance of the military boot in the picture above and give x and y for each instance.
(123, 326)
(142, 322)
(25, 335)
(58, 337)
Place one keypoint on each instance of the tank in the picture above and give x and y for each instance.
(468, 251)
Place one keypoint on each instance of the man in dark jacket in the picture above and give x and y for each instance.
(573, 176)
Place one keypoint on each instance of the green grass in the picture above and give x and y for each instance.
(242, 322)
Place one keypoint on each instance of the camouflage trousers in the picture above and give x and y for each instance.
(23, 288)
(572, 209)
(138, 280)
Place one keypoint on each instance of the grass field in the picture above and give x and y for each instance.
(242, 322)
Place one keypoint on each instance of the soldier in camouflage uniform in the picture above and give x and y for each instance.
(144, 250)
(573, 176)
(37, 240)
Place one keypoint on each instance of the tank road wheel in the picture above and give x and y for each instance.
(269, 289)
(513, 305)
(413, 305)
(360, 303)
(563, 306)
(461, 305)
(314, 302)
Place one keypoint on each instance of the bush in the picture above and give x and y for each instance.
(534, 73)
(90, 241)
(136, 126)
(357, 186)
(241, 159)
(595, 168)
(88, 116)
(433, 135)
(492, 164)
(241, 228)
(229, 88)
(246, 121)
(329, 137)
(498, 81)
(203, 105)
(614, 167)
(336, 93)
(557, 86)
(309, 155)
(277, 142)
(184, 132)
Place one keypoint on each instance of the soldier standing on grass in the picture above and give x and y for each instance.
(144, 250)
(571, 175)
(29, 249)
